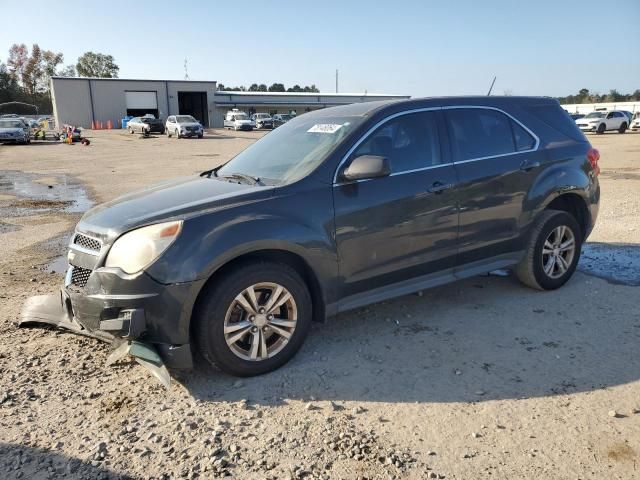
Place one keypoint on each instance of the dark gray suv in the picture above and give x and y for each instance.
(336, 209)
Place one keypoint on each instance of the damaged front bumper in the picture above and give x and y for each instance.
(136, 314)
(56, 310)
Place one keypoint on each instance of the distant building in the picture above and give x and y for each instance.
(585, 108)
(88, 101)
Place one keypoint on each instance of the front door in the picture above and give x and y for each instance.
(397, 228)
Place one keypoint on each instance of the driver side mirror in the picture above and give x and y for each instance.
(366, 167)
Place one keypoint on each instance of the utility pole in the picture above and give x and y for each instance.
(186, 73)
(336, 80)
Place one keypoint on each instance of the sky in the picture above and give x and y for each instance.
(417, 48)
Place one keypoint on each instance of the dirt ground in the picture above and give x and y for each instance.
(480, 379)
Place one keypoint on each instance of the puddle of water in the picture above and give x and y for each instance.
(618, 264)
(58, 265)
(62, 193)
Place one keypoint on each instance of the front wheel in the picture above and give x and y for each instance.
(177, 133)
(623, 128)
(601, 128)
(553, 251)
(168, 133)
(254, 319)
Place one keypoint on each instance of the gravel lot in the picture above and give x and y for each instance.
(479, 379)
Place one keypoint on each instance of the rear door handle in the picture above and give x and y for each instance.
(526, 165)
(439, 187)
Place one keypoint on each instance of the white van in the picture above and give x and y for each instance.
(238, 120)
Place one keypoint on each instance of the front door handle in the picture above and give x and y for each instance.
(439, 187)
(526, 165)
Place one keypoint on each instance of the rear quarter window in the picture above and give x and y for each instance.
(558, 119)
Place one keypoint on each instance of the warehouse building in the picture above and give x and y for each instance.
(89, 102)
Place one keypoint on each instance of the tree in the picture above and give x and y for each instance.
(17, 61)
(253, 87)
(97, 65)
(295, 88)
(277, 87)
(262, 87)
(312, 89)
(67, 71)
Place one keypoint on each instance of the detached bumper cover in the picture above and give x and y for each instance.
(111, 308)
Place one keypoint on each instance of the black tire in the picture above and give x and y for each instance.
(200, 135)
(168, 133)
(209, 317)
(623, 128)
(131, 130)
(177, 132)
(530, 270)
(601, 129)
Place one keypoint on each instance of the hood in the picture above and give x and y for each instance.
(12, 130)
(190, 124)
(177, 198)
(243, 122)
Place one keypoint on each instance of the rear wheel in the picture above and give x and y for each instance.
(623, 128)
(254, 319)
(601, 128)
(553, 251)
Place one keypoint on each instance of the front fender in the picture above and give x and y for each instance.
(301, 224)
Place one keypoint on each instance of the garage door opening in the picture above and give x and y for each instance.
(194, 104)
(142, 103)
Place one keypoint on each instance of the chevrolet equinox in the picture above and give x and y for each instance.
(336, 209)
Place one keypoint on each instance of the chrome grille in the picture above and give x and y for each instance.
(79, 276)
(87, 242)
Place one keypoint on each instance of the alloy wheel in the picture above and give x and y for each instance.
(260, 321)
(558, 251)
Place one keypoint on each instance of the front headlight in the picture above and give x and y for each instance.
(139, 248)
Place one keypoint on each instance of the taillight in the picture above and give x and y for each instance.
(594, 155)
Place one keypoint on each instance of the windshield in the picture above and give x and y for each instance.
(262, 115)
(595, 115)
(292, 151)
(240, 116)
(185, 119)
(11, 124)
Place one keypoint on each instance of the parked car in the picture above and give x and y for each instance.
(146, 124)
(601, 122)
(237, 120)
(183, 126)
(262, 120)
(337, 209)
(14, 130)
(635, 122)
(280, 119)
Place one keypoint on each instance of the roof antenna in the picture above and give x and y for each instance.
(491, 87)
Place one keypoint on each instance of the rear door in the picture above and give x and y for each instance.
(497, 160)
(396, 228)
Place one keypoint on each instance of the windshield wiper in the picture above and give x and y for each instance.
(251, 180)
(212, 171)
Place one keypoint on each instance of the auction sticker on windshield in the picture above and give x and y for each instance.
(324, 128)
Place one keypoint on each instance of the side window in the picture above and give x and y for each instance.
(523, 139)
(478, 133)
(409, 142)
